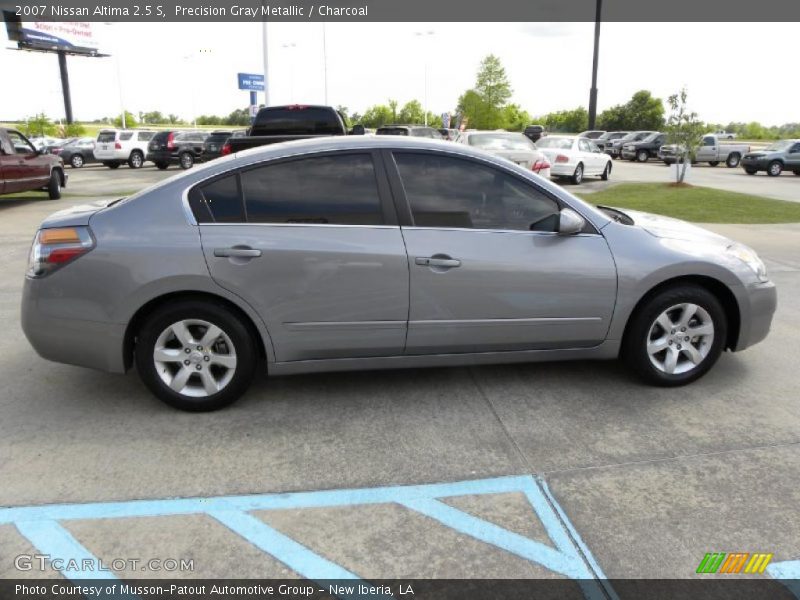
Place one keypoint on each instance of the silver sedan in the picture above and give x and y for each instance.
(366, 253)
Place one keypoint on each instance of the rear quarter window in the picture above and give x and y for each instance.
(219, 201)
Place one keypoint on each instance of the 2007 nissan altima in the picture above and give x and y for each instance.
(336, 254)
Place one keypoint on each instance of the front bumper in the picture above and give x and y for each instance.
(760, 302)
(629, 154)
(759, 164)
(93, 344)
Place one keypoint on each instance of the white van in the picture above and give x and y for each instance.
(116, 146)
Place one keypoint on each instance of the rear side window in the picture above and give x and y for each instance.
(392, 131)
(335, 190)
(106, 136)
(297, 121)
(455, 193)
(145, 136)
(219, 201)
(124, 137)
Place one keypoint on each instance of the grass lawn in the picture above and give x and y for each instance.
(698, 204)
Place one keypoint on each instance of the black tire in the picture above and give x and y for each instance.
(733, 160)
(162, 165)
(714, 163)
(577, 176)
(112, 165)
(212, 312)
(54, 185)
(186, 160)
(606, 172)
(751, 171)
(774, 168)
(76, 161)
(136, 160)
(634, 345)
(642, 156)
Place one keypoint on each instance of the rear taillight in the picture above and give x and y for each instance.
(117, 146)
(226, 149)
(170, 141)
(562, 159)
(539, 165)
(53, 248)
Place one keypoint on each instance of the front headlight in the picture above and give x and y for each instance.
(749, 257)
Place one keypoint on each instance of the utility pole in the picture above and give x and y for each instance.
(62, 65)
(325, 59)
(593, 91)
(266, 62)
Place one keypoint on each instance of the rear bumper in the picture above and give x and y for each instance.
(761, 302)
(92, 344)
(171, 157)
(562, 169)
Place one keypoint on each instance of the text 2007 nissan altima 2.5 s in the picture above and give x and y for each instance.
(336, 254)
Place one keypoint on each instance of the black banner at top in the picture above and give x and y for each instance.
(189, 11)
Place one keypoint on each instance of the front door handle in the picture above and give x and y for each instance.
(434, 261)
(237, 252)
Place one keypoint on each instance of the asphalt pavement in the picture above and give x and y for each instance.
(563, 470)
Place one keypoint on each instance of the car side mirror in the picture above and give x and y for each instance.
(358, 130)
(570, 222)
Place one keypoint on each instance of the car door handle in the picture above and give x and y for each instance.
(237, 252)
(433, 261)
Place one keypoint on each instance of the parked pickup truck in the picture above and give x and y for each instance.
(275, 124)
(710, 151)
(24, 168)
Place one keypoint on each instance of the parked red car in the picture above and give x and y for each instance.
(23, 167)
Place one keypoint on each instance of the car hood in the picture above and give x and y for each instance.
(76, 215)
(675, 229)
(762, 153)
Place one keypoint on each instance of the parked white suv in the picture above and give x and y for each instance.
(116, 146)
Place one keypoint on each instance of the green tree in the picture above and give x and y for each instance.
(378, 115)
(173, 119)
(393, 108)
(239, 117)
(567, 121)
(514, 118)
(492, 83)
(154, 116)
(209, 120)
(412, 113)
(472, 107)
(683, 129)
(641, 112)
(39, 125)
(74, 130)
(130, 120)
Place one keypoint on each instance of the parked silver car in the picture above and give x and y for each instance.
(343, 253)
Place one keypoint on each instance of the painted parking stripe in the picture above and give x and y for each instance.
(568, 556)
(291, 553)
(788, 572)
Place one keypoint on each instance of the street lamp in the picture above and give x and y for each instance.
(425, 35)
(595, 59)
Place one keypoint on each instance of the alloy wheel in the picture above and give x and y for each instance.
(680, 338)
(195, 358)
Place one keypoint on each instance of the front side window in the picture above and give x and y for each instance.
(455, 193)
(21, 145)
(708, 141)
(331, 190)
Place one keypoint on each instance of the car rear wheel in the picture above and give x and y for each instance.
(577, 176)
(774, 168)
(136, 160)
(676, 336)
(162, 165)
(642, 156)
(733, 160)
(186, 160)
(54, 186)
(195, 355)
(76, 161)
(606, 172)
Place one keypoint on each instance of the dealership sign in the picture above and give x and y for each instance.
(251, 81)
(74, 37)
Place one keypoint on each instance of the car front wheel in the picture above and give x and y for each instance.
(136, 160)
(606, 172)
(642, 156)
(196, 356)
(774, 168)
(676, 336)
(54, 186)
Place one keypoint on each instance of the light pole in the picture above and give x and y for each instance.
(265, 49)
(192, 74)
(425, 35)
(325, 58)
(595, 59)
(290, 46)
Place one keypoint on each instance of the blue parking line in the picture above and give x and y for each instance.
(291, 553)
(569, 557)
(788, 573)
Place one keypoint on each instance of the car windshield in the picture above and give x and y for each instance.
(558, 143)
(501, 141)
(778, 146)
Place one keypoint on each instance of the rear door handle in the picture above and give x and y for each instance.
(430, 261)
(237, 252)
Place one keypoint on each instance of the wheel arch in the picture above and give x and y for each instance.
(129, 340)
(720, 291)
(61, 175)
